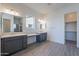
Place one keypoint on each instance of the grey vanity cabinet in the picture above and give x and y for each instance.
(44, 36)
(10, 45)
(41, 37)
(13, 45)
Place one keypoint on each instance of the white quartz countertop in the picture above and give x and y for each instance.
(3, 36)
(13, 35)
(32, 34)
(18, 34)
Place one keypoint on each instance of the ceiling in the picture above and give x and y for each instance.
(45, 8)
(20, 8)
(34, 8)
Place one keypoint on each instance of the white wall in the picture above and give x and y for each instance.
(56, 27)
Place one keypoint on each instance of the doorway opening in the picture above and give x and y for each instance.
(71, 29)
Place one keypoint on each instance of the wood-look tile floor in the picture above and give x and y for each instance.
(48, 49)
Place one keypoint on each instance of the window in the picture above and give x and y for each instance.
(30, 22)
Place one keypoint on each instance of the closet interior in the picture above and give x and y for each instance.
(71, 29)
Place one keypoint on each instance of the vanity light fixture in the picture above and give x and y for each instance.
(42, 21)
(11, 11)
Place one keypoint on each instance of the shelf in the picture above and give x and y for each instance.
(72, 22)
(70, 31)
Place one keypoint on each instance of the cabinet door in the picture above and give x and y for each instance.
(25, 42)
(42, 37)
(13, 44)
(38, 38)
(20, 39)
(3, 46)
(45, 36)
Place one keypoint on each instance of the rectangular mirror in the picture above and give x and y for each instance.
(17, 24)
(10, 23)
(30, 22)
